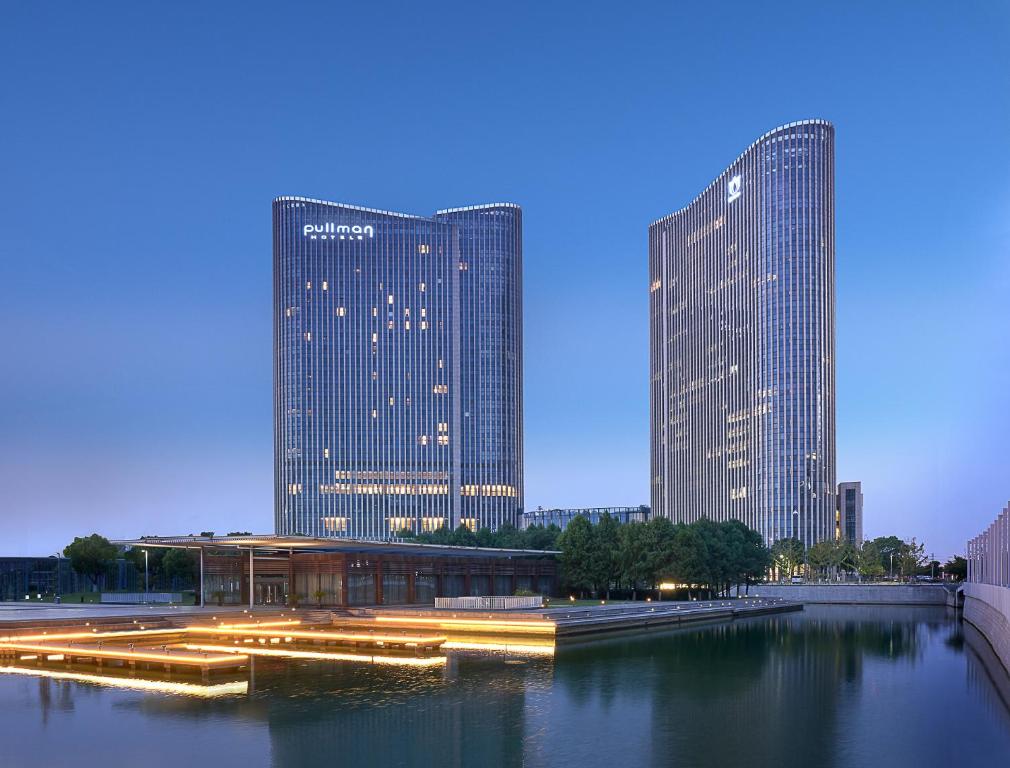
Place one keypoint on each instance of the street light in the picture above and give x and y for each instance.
(892, 566)
(146, 587)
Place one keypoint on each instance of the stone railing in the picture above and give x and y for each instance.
(504, 603)
(989, 553)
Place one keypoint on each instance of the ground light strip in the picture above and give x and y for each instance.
(356, 637)
(406, 661)
(535, 627)
(122, 654)
(160, 686)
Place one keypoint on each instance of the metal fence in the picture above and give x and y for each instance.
(989, 553)
(489, 603)
(136, 598)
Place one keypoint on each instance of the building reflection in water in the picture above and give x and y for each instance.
(825, 687)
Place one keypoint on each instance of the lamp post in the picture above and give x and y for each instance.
(892, 566)
(146, 587)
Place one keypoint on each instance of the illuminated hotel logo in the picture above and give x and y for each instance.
(734, 189)
(331, 231)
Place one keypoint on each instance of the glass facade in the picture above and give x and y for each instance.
(397, 368)
(850, 512)
(562, 517)
(742, 343)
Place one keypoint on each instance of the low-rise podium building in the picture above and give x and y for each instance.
(283, 570)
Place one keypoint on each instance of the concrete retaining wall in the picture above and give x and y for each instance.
(869, 594)
(987, 607)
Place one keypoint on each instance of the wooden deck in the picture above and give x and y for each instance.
(163, 657)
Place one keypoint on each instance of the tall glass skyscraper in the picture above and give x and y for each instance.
(397, 368)
(742, 342)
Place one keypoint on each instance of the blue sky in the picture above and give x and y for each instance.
(141, 144)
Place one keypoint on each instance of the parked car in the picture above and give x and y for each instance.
(796, 579)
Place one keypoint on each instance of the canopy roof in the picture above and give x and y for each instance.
(270, 542)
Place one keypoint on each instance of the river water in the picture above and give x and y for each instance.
(831, 686)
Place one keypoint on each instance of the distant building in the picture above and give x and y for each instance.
(849, 514)
(397, 369)
(562, 517)
(742, 342)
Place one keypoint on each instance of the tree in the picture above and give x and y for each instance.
(888, 546)
(578, 549)
(633, 556)
(956, 568)
(910, 556)
(179, 563)
(787, 554)
(90, 555)
(750, 556)
(688, 558)
(607, 563)
(463, 537)
(660, 560)
(820, 556)
(509, 537)
(868, 561)
(541, 537)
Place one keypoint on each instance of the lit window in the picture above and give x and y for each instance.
(441, 389)
(443, 426)
(308, 335)
(341, 311)
(422, 286)
(375, 338)
(424, 325)
(392, 401)
(375, 311)
(308, 286)
(325, 285)
(424, 248)
(390, 298)
(326, 453)
(375, 413)
(424, 312)
(422, 439)
(406, 325)
(443, 439)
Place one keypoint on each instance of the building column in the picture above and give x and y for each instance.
(291, 576)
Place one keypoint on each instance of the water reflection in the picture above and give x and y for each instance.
(826, 687)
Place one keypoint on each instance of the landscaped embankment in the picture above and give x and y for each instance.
(858, 594)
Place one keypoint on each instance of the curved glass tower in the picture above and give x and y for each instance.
(742, 342)
(397, 368)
